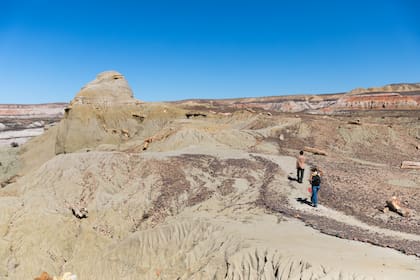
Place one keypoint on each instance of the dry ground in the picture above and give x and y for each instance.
(210, 196)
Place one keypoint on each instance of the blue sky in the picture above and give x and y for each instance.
(172, 50)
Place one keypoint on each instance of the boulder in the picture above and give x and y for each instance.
(394, 204)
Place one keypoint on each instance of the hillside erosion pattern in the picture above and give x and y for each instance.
(117, 188)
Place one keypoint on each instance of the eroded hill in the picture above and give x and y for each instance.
(122, 189)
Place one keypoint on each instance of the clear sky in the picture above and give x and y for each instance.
(172, 50)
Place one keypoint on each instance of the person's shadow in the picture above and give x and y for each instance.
(292, 178)
(304, 201)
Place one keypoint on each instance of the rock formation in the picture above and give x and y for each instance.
(101, 113)
(109, 88)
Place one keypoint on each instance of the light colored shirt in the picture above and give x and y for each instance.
(300, 162)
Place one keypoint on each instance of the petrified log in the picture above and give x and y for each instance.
(157, 137)
(356, 122)
(9, 181)
(147, 142)
(315, 151)
(79, 213)
(410, 165)
(250, 110)
(190, 115)
(68, 276)
(394, 204)
(138, 117)
(44, 276)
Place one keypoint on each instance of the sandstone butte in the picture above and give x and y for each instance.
(203, 189)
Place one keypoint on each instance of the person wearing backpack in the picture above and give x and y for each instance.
(315, 180)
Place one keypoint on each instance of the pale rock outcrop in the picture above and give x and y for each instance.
(108, 87)
(101, 113)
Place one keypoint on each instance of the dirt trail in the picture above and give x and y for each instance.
(297, 192)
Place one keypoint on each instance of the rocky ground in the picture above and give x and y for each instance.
(205, 189)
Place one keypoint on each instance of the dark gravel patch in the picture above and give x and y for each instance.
(278, 204)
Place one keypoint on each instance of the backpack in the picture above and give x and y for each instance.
(316, 180)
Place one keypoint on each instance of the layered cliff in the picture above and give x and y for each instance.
(19, 123)
(400, 87)
(390, 97)
(378, 101)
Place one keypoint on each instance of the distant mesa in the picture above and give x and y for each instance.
(403, 96)
(401, 87)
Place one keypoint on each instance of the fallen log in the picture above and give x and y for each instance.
(356, 122)
(410, 165)
(315, 151)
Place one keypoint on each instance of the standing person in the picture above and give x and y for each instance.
(315, 180)
(300, 166)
